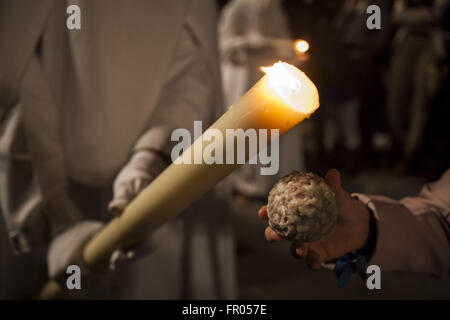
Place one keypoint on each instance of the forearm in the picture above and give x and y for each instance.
(407, 242)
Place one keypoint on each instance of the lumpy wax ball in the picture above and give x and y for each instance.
(302, 207)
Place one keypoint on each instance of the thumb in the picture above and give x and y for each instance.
(117, 205)
(122, 196)
(333, 178)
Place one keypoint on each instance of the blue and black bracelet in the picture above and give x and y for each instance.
(357, 260)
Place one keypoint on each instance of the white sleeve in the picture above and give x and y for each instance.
(187, 95)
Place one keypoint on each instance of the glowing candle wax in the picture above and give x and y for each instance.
(279, 100)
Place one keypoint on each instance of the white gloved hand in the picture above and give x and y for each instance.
(143, 167)
(66, 249)
(124, 256)
(256, 41)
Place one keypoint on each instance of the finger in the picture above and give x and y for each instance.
(138, 185)
(123, 191)
(333, 178)
(116, 206)
(271, 235)
(122, 197)
(262, 213)
(302, 250)
(299, 250)
(336, 244)
(268, 234)
(313, 260)
(275, 236)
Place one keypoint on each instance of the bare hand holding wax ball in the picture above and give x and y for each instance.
(321, 227)
(302, 207)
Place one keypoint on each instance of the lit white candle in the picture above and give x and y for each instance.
(280, 100)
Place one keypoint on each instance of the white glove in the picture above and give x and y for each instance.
(143, 167)
(124, 256)
(66, 248)
(256, 41)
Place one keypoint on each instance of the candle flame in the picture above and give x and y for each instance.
(301, 46)
(293, 87)
(282, 79)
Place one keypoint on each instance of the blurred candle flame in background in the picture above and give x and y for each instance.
(301, 46)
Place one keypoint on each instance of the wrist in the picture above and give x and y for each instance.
(362, 227)
(357, 259)
(149, 160)
(369, 245)
(368, 227)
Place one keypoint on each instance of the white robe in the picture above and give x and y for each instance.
(133, 73)
(241, 70)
